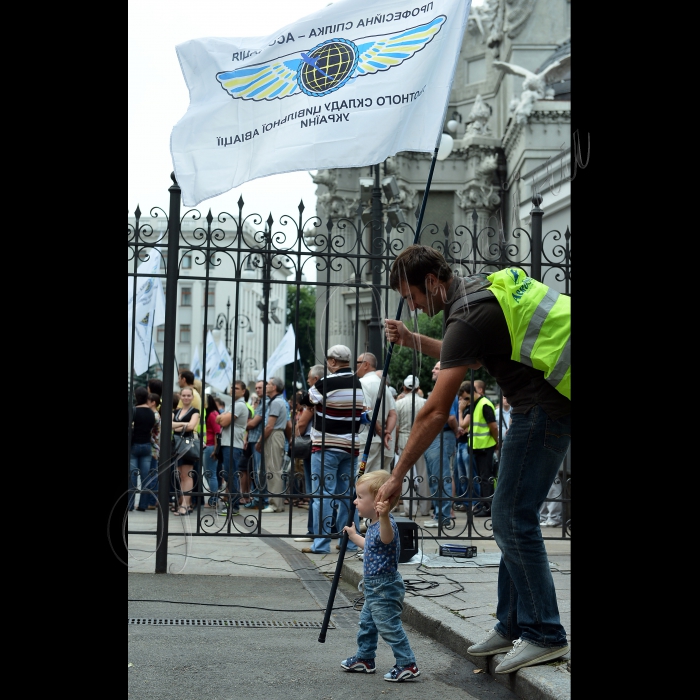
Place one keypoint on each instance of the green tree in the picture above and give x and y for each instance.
(405, 362)
(305, 329)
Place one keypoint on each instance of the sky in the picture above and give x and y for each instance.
(158, 97)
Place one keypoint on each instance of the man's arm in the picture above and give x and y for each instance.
(253, 422)
(429, 422)
(224, 419)
(389, 427)
(493, 429)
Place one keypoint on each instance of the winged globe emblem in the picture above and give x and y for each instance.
(328, 66)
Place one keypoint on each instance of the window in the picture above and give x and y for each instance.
(186, 296)
(184, 332)
(187, 262)
(211, 297)
(160, 334)
(476, 70)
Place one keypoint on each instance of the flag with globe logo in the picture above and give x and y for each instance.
(347, 86)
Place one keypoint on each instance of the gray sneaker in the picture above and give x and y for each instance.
(493, 644)
(526, 654)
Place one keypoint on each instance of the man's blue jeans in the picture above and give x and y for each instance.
(333, 480)
(530, 458)
(210, 468)
(230, 467)
(439, 480)
(259, 479)
(465, 486)
(308, 486)
(381, 614)
(139, 464)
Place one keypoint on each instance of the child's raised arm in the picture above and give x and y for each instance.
(386, 532)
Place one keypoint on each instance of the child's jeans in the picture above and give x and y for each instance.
(381, 614)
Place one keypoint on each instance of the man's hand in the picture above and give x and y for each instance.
(258, 445)
(387, 440)
(397, 333)
(388, 489)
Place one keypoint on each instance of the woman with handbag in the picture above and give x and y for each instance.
(185, 421)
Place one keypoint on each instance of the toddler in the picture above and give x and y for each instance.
(383, 586)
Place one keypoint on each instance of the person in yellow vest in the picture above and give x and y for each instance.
(519, 330)
(484, 436)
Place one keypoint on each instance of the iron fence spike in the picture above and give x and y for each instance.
(475, 216)
(387, 228)
(567, 233)
(240, 202)
(269, 221)
(210, 218)
(329, 225)
(137, 212)
(301, 206)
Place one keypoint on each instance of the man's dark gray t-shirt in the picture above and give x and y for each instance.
(480, 332)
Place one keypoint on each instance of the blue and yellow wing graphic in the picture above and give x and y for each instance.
(263, 82)
(394, 50)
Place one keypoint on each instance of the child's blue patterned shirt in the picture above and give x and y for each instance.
(379, 558)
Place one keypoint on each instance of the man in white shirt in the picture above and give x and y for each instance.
(406, 411)
(381, 455)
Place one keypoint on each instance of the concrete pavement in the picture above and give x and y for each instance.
(454, 605)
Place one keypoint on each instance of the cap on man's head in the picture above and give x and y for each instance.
(411, 382)
(339, 352)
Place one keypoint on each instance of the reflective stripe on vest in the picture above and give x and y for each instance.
(539, 323)
(482, 434)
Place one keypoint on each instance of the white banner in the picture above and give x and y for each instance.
(283, 354)
(346, 86)
(196, 365)
(150, 306)
(215, 366)
(228, 369)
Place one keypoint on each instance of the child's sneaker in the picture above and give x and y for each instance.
(358, 665)
(402, 674)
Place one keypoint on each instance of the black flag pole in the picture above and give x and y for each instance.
(375, 412)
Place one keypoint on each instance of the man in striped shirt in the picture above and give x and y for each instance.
(335, 445)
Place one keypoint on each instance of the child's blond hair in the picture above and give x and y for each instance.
(374, 481)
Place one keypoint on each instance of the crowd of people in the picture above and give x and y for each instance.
(232, 474)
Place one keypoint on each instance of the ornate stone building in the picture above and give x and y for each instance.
(509, 119)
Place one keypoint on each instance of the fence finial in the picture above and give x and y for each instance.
(536, 199)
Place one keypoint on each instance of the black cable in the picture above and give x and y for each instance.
(228, 605)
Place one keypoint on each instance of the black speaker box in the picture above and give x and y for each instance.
(408, 537)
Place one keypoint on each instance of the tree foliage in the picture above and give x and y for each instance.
(305, 330)
(405, 362)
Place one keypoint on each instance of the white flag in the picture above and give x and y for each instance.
(196, 366)
(148, 290)
(283, 354)
(346, 86)
(223, 355)
(215, 365)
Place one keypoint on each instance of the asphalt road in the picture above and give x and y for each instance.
(227, 663)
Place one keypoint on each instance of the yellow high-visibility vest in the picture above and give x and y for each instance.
(539, 323)
(480, 431)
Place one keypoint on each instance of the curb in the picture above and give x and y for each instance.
(542, 682)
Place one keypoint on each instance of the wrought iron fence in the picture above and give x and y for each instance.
(351, 258)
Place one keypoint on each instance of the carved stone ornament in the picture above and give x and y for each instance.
(327, 178)
(496, 19)
(478, 118)
(478, 197)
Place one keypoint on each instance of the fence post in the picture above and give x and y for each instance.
(536, 231)
(375, 325)
(166, 425)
